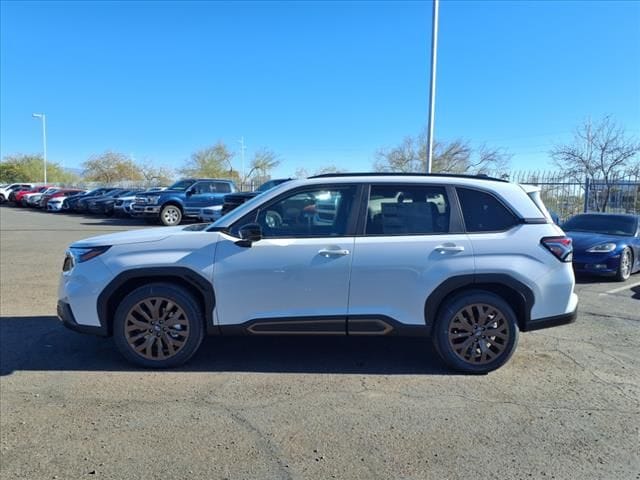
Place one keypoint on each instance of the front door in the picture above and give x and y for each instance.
(296, 279)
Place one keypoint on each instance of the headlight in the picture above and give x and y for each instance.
(80, 255)
(153, 200)
(602, 248)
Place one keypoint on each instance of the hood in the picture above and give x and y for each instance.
(584, 240)
(133, 236)
(161, 192)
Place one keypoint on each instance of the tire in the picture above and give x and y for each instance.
(626, 265)
(170, 215)
(459, 336)
(1, 198)
(141, 334)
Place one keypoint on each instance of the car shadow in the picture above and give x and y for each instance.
(636, 292)
(43, 344)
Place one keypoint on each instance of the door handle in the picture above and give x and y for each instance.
(328, 252)
(449, 248)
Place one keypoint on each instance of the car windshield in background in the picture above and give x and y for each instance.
(181, 185)
(605, 224)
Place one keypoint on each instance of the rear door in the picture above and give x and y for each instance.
(412, 241)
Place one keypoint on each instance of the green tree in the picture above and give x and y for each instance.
(457, 156)
(30, 168)
(110, 167)
(211, 162)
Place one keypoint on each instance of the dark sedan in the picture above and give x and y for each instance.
(104, 204)
(605, 244)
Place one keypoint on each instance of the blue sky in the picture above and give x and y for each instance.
(318, 82)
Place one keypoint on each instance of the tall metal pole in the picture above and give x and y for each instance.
(432, 87)
(43, 117)
(242, 149)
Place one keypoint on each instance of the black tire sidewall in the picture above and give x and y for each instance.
(453, 305)
(176, 294)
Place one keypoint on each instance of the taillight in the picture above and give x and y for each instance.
(561, 247)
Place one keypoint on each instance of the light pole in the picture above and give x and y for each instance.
(242, 149)
(432, 87)
(44, 140)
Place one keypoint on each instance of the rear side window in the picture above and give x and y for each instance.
(407, 210)
(483, 212)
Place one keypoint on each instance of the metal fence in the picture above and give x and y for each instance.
(567, 196)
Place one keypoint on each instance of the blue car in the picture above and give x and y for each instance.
(605, 244)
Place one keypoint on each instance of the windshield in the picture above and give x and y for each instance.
(604, 224)
(181, 185)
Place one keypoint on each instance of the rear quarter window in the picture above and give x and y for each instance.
(483, 212)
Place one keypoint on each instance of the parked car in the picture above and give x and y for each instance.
(233, 200)
(16, 191)
(605, 244)
(80, 205)
(105, 205)
(33, 199)
(61, 192)
(468, 261)
(185, 198)
(69, 204)
(20, 194)
(5, 191)
(55, 203)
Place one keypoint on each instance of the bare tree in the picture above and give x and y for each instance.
(600, 152)
(449, 157)
(305, 173)
(155, 175)
(264, 161)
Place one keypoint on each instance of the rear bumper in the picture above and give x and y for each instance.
(68, 320)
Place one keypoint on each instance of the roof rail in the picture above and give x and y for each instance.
(479, 176)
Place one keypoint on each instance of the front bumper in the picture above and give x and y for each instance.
(597, 264)
(145, 210)
(68, 320)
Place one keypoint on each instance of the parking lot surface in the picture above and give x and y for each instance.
(567, 405)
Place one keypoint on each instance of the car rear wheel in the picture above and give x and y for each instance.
(626, 265)
(158, 326)
(170, 215)
(476, 332)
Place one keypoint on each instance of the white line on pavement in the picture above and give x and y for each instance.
(626, 287)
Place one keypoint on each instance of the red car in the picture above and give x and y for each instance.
(58, 193)
(19, 195)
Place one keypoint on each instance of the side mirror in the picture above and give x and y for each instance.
(249, 233)
(189, 192)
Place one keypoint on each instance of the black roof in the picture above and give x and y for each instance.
(479, 176)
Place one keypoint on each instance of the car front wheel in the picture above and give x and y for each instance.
(158, 326)
(626, 264)
(476, 332)
(170, 215)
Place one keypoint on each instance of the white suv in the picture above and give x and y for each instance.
(467, 261)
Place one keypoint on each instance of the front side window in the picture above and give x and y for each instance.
(321, 212)
(483, 212)
(407, 210)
